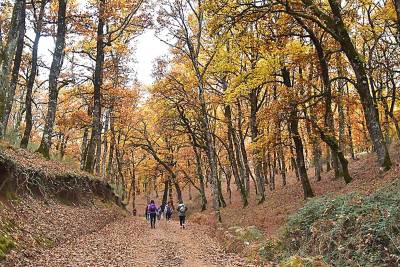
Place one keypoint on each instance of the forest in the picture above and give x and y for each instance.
(252, 95)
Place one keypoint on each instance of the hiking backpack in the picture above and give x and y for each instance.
(152, 208)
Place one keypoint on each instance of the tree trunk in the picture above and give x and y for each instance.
(228, 184)
(329, 120)
(342, 119)
(171, 197)
(105, 145)
(362, 87)
(242, 148)
(333, 144)
(165, 194)
(210, 149)
(271, 173)
(233, 160)
(222, 202)
(257, 158)
(32, 76)
(298, 143)
(58, 57)
(178, 190)
(200, 176)
(112, 148)
(281, 155)
(98, 80)
(316, 150)
(8, 54)
(15, 71)
(292, 157)
(133, 186)
(84, 148)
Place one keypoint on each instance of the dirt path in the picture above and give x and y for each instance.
(131, 242)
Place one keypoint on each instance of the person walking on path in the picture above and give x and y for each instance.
(146, 213)
(168, 212)
(182, 214)
(152, 210)
(159, 213)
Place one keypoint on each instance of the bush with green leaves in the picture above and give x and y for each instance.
(348, 230)
(6, 244)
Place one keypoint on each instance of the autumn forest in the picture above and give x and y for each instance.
(252, 93)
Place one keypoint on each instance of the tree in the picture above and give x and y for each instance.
(55, 70)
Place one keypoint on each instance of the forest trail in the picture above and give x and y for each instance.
(131, 242)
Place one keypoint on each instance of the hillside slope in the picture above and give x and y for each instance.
(46, 203)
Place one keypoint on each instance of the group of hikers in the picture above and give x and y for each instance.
(153, 213)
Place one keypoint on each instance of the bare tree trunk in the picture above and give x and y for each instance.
(210, 152)
(271, 173)
(112, 148)
(257, 158)
(222, 202)
(15, 71)
(84, 148)
(233, 160)
(98, 81)
(105, 145)
(171, 197)
(292, 157)
(20, 112)
(316, 150)
(228, 184)
(58, 57)
(8, 55)
(200, 176)
(282, 163)
(294, 124)
(32, 76)
(165, 194)
(63, 146)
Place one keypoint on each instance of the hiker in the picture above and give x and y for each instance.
(168, 212)
(182, 214)
(146, 213)
(159, 212)
(152, 211)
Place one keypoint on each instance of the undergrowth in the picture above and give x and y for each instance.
(6, 241)
(348, 230)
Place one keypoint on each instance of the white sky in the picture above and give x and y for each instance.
(148, 48)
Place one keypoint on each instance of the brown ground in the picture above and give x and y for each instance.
(131, 242)
(96, 235)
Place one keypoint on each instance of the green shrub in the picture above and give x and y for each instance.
(349, 229)
(6, 244)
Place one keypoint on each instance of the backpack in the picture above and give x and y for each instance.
(152, 208)
(182, 209)
(169, 210)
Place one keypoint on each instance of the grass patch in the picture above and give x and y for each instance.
(45, 242)
(6, 244)
(348, 230)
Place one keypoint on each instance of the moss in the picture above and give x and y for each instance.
(45, 242)
(10, 195)
(6, 244)
(297, 261)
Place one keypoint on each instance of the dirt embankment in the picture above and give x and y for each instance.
(44, 204)
(25, 172)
